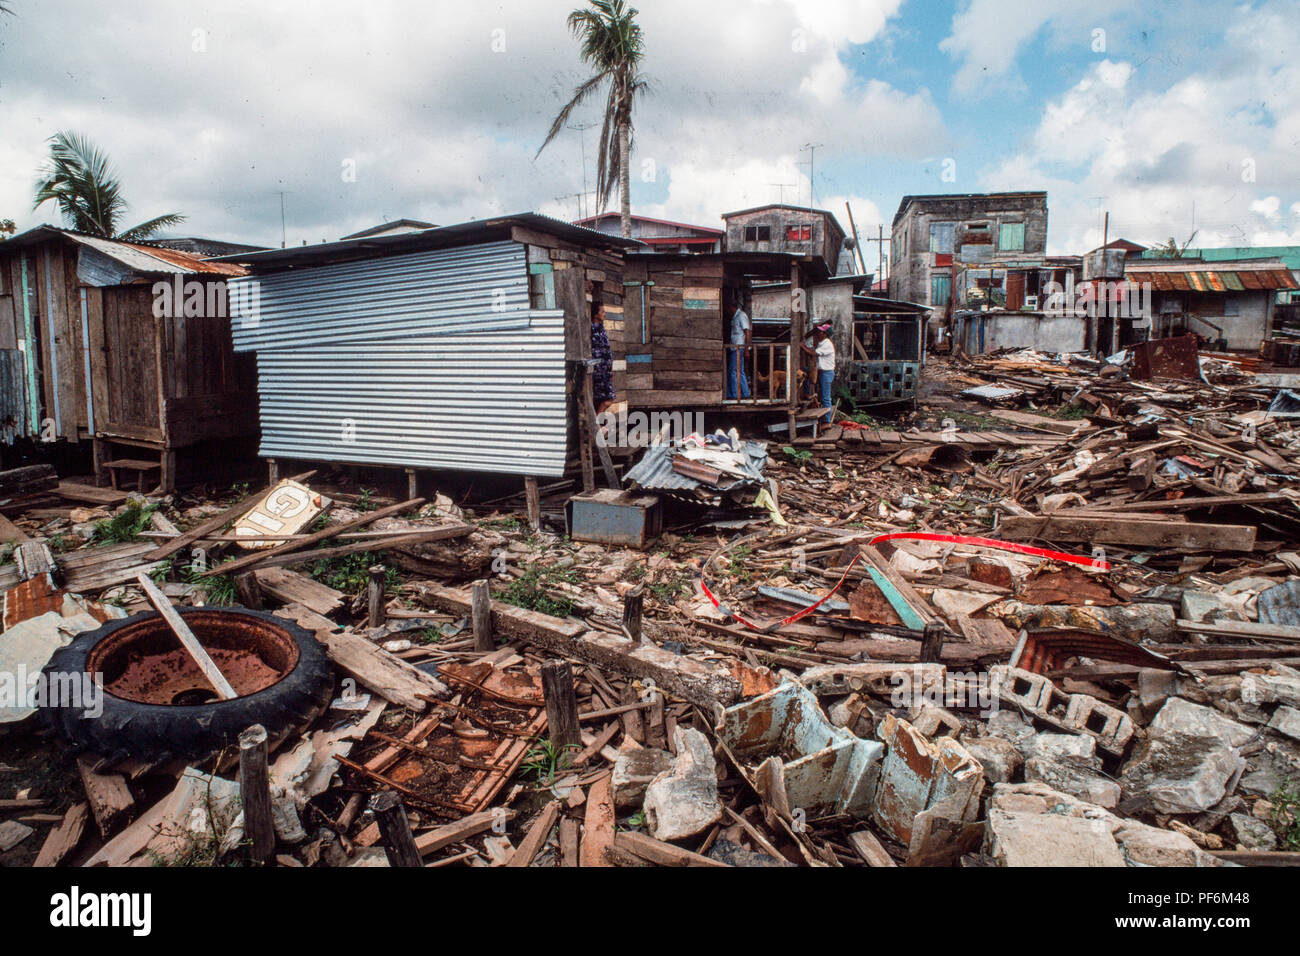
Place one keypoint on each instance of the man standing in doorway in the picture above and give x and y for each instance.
(741, 335)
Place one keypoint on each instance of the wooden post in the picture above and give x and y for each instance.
(561, 704)
(272, 472)
(632, 605)
(376, 595)
(186, 637)
(585, 438)
(412, 483)
(248, 590)
(395, 830)
(932, 643)
(798, 329)
(481, 616)
(167, 471)
(255, 793)
(534, 499)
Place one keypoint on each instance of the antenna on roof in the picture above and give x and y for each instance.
(582, 139)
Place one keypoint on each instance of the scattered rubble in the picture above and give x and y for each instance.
(1047, 623)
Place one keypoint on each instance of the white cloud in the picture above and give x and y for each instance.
(440, 127)
(987, 35)
(1213, 151)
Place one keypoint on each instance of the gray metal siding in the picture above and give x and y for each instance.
(481, 287)
(481, 401)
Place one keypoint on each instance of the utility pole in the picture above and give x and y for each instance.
(582, 140)
(880, 239)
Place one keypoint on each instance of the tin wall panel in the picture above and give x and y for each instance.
(480, 401)
(481, 287)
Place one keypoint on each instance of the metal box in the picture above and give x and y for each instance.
(614, 517)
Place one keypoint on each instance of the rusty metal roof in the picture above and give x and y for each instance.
(1195, 275)
(147, 260)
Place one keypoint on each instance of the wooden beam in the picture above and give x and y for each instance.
(1130, 531)
(183, 633)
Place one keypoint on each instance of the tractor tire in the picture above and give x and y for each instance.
(158, 707)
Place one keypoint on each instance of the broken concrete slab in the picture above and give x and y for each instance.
(1030, 824)
(1181, 717)
(1175, 773)
(1151, 846)
(1252, 833)
(13, 833)
(1010, 726)
(634, 769)
(683, 801)
(1075, 776)
(1286, 720)
(998, 756)
(1056, 746)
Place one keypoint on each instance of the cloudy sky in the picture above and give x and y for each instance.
(1174, 117)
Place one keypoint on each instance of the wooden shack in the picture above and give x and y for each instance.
(677, 315)
(124, 345)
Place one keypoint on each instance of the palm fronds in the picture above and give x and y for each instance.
(79, 178)
(612, 44)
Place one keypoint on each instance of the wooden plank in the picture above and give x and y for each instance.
(658, 852)
(867, 846)
(536, 836)
(392, 679)
(64, 838)
(109, 797)
(598, 824)
(1129, 531)
(183, 633)
(89, 494)
(1247, 629)
(290, 587)
(461, 830)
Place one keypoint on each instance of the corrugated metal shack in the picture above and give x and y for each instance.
(123, 344)
(444, 348)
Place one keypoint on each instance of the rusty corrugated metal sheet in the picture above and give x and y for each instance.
(1215, 280)
(1042, 651)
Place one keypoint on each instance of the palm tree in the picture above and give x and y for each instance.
(612, 46)
(80, 179)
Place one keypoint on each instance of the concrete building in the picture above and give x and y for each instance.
(974, 249)
(796, 230)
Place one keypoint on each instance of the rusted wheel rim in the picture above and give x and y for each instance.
(143, 661)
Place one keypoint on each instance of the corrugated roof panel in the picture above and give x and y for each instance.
(482, 401)
(480, 287)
